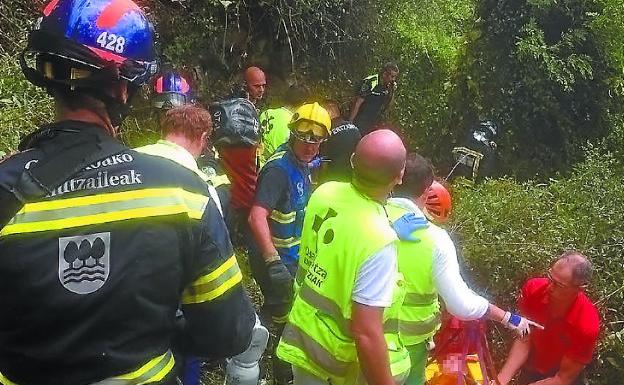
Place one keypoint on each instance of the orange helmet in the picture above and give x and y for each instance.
(438, 202)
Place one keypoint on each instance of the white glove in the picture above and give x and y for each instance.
(521, 325)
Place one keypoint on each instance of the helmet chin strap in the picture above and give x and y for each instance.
(116, 109)
(117, 112)
(112, 130)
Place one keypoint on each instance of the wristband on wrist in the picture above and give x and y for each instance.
(272, 258)
(511, 319)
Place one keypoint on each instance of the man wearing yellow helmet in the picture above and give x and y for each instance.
(276, 217)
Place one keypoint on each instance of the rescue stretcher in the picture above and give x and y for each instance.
(461, 355)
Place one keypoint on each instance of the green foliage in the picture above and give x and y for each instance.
(16, 17)
(426, 38)
(549, 72)
(511, 231)
(290, 40)
(22, 106)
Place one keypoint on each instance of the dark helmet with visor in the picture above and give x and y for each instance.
(83, 45)
(171, 90)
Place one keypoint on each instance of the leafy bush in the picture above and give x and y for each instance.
(511, 231)
(550, 72)
(22, 106)
(426, 38)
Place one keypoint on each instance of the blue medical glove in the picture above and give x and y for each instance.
(315, 163)
(407, 224)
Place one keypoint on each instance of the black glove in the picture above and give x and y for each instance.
(280, 277)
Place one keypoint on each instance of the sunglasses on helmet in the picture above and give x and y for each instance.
(309, 132)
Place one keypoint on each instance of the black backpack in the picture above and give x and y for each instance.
(236, 123)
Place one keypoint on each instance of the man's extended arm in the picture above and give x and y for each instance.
(392, 92)
(460, 300)
(367, 329)
(356, 108)
(568, 372)
(518, 355)
(258, 221)
(271, 187)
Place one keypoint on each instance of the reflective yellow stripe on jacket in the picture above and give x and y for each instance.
(213, 284)
(219, 180)
(103, 208)
(153, 371)
(6, 381)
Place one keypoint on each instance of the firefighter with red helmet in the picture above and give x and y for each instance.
(101, 244)
(171, 89)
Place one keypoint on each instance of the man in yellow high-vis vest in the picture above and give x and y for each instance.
(430, 268)
(347, 273)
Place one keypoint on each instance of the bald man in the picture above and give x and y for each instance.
(347, 273)
(558, 354)
(255, 84)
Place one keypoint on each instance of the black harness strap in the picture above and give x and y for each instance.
(66, 151)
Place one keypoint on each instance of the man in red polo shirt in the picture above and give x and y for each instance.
(557, 354)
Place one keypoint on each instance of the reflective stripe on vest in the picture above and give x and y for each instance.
(315, 352)
(419, 315)
(6, 381)
(331, 308)
(401, 378)
(153, 371)
(414, 328)
(280, 243)
(283, 218)
(400, 363)
(277, 155)
(420, 299)
(328, 307)
(104, 208)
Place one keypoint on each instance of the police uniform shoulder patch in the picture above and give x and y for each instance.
(84, 262)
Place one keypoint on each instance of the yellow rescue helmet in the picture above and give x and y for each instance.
(310, 123)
